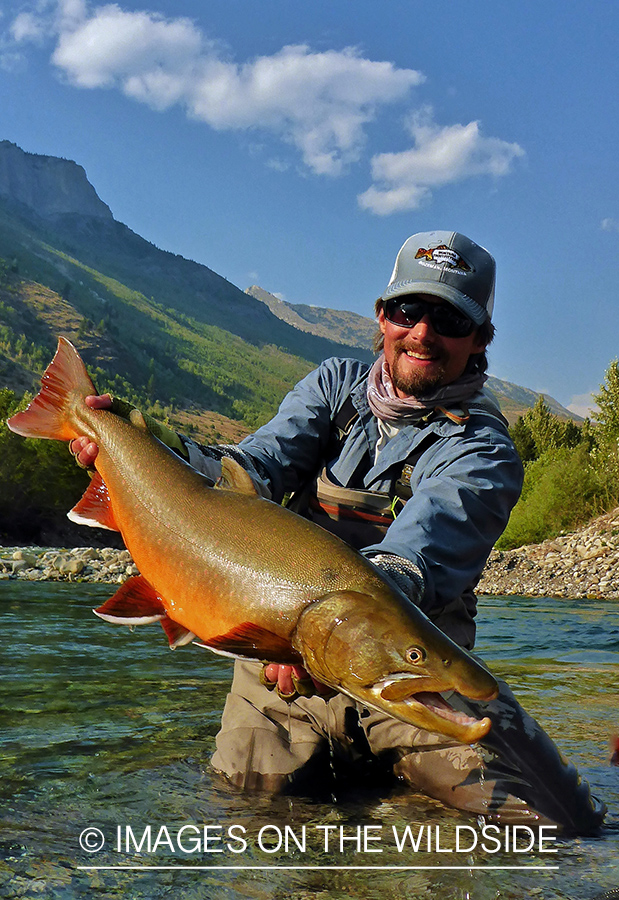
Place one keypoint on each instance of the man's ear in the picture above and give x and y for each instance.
(381, 319)
(479, 346)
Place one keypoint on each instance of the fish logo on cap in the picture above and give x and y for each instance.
(443, 256)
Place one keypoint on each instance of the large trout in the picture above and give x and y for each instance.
(247, 577)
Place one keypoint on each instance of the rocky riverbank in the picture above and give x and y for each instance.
(77, 564)
(584, 563)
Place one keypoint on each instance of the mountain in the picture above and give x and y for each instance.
(48, 185)
(154, 326)
(165, 332)
(345, 327)
(515, 400)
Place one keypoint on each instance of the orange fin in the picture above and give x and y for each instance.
(64, 385)
(177, 634)
(134, 603)
(95, 507)
(253, 642)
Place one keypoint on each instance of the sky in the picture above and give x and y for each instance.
(297, 145)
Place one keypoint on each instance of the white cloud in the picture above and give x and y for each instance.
(609, 225)
(27, 27)
(583, 405)
(439, 156)
(318, 102)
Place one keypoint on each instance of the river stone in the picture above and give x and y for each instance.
(28, 558)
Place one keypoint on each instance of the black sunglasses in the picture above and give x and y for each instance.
(446, 319)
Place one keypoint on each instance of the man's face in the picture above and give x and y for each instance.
(419, 359)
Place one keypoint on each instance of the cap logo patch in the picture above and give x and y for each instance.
(442, 256)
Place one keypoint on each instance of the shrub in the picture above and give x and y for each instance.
(562, 490)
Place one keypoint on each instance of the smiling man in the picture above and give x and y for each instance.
(410, 461)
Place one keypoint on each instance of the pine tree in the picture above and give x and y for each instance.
(608, 402)
(546, 428)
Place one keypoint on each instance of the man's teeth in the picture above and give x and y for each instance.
(416, 355)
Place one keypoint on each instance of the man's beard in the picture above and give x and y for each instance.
(415, 383)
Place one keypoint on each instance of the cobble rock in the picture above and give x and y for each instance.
(583, 563)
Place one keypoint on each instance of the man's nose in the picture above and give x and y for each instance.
(423, 329)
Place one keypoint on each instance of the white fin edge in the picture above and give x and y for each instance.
(136, 620)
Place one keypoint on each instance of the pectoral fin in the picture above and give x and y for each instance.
(251, 641)
(134, 603)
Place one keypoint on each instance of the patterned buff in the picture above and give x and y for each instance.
(387, 406)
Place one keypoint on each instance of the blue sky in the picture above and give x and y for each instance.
(297, 145)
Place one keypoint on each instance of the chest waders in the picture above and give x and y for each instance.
(358, 516)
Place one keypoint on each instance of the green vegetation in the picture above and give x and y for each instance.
(39, 481)
(571, 472)
(156, 357)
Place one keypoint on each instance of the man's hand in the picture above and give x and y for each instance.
(291, 682)
(83, 449)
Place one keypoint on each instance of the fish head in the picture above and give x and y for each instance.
(384, 652)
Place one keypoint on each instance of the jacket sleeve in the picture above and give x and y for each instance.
(290, 446)
(463, 493)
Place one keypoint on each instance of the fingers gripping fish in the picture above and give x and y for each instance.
(246, 577)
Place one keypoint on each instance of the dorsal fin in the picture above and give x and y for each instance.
(235, 478)
(136, 418)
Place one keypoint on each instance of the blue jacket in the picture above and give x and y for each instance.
(464, 484)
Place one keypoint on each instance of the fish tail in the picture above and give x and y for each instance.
(64, 385)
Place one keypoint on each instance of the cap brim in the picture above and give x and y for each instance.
(439, 289)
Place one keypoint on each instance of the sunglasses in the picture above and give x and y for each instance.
(446, 319)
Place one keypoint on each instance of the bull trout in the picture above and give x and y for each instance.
(247, 577)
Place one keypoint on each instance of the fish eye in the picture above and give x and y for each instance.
(415, 655)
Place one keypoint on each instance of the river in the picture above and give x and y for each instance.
(106, 737)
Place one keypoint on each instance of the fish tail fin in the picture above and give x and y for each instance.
(64, 385)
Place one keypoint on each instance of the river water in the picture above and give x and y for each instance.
(106, 736)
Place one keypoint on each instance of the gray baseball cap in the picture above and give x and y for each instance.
(448, 265)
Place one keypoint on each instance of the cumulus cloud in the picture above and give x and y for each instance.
(440, 155)
(610, 224)
(319, 102)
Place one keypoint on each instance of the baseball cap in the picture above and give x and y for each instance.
(448, 265)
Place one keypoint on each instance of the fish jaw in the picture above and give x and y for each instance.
(384, 652)
(431, 711)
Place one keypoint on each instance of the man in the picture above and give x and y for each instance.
(411, 462)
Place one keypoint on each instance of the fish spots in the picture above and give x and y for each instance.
(331, 576)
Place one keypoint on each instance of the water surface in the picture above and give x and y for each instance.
(106, 729)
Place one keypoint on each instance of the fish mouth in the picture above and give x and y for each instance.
(436, 703)
(430, 709)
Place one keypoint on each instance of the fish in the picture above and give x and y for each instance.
(244, 576)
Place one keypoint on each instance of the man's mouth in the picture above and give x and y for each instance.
(417, 354)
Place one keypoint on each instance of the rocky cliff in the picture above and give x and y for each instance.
(48, 185)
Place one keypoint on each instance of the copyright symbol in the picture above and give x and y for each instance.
(92, 840)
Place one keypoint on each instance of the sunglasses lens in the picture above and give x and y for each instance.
(445, 319)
